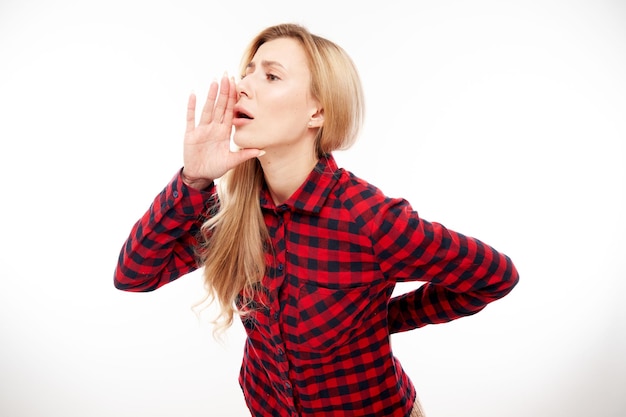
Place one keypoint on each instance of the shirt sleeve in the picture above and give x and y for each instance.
(160, 247)
(461, 274)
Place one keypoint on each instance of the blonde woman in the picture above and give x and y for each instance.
(303, 252)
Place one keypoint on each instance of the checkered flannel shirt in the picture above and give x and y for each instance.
(321, 344)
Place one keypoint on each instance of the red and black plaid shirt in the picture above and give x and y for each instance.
(321, 346)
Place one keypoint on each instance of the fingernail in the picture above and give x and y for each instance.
(261, 153)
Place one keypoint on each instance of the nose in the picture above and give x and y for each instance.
(243, 89)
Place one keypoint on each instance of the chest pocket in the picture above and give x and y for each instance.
(331, 317)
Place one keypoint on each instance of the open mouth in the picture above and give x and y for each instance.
(243, 115)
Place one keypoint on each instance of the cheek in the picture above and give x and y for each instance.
(287, 102)
(295, 109)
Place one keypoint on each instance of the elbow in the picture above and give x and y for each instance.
(512, 276)
(121, 280)
(509, 279)
(120, 285)
(130, 282)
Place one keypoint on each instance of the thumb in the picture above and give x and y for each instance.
(245, 154)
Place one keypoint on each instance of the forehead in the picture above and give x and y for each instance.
(287, 52)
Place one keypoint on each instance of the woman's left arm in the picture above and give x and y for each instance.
(461, 274)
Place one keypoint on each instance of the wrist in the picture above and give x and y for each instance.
(195, 182)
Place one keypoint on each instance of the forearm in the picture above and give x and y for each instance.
(160, 247)
(454, 296)
(461, 274)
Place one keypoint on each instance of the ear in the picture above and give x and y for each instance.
(317, 119)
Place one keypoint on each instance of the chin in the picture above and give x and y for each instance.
(244, 142)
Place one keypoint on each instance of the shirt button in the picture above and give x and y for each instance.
(175, 194)
(276, 316)
(281, 267)
(280, 352)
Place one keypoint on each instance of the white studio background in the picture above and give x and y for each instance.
(504, 120)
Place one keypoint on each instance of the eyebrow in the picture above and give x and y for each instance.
(265, 63)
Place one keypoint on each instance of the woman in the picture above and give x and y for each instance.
(304, 252)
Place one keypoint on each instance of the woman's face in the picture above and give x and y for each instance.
(274, 104)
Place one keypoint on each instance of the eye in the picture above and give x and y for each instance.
(271, 77)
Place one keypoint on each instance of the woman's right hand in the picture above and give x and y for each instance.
(207, 155)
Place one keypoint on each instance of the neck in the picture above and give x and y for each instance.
(285, 172)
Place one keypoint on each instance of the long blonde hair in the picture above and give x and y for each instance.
(232, 241)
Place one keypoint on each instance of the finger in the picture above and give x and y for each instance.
(207, 110)
(230, 104)
(191, 113)
(222, 100)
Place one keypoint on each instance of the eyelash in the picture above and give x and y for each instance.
(268, 75)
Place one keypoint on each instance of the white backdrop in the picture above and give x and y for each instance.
(504, 120)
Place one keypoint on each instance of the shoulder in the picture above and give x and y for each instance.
(362, 198)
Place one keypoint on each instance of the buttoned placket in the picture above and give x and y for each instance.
(282, 363)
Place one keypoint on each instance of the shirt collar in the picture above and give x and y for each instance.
(312, 194)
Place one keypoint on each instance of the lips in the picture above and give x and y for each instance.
(241, 113)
